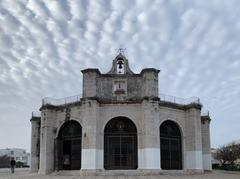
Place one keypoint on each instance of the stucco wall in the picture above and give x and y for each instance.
(207, 157)
(147, 116)
(35, 144)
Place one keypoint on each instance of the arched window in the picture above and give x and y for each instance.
(120, 144)
(68, 146)
(170, 146)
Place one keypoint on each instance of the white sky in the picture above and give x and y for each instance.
(45, 43)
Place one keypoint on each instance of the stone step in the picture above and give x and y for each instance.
(117, 172)
(120, 173)
(67, 173)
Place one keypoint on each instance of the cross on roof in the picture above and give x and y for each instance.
(121, 50)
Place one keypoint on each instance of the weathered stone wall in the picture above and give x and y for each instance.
(90, 82)
(105, 87)
(147, 116)
(48, 130)
(206, 143)
(150, 83)
(193, 140)
(138, 86)
(35, 144)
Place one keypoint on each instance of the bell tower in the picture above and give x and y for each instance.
(120, 83)
(120, 65)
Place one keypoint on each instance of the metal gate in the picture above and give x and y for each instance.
(120, 145)
(171, 148)
(68, 147)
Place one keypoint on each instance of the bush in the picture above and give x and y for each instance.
(216, 166)
(19, 164)
(231, 167)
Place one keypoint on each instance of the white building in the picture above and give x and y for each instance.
(121, 123)
(213, 153)
(20, 155)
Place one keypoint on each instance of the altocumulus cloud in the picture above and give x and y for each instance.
(44, 45)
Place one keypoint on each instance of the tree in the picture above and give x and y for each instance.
(4, 161)
(228, 154)
(237, 150)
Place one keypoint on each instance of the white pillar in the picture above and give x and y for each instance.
(193, 141)
(207, 157)
(149, 158)
(47, 142)
(149, 153)
(35, 144)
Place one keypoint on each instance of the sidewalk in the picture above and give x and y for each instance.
(24, 174)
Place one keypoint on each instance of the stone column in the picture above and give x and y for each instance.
(35, 143)
(90, 82)
(150, 82)
(92, 155)
(47, 141)
(207, 163)
(193, 141)
(149, 152)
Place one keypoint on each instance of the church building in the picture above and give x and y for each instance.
(120, 124)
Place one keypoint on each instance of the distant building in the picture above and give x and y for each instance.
(120, 123)
(214, 161)
(20, 155)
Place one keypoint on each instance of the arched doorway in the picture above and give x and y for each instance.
(68, 146)
(171, 146)
(120, 144)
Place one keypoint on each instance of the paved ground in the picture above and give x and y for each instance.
(24, 174)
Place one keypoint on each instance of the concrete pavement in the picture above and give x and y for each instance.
(24, 174)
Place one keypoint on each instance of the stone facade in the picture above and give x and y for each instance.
(120, 92)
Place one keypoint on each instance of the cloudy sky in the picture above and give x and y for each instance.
(45, 43)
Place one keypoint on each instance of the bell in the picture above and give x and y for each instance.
(120, 63)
